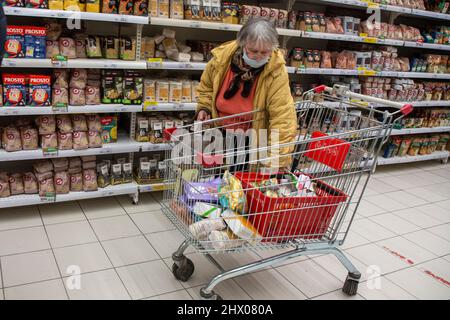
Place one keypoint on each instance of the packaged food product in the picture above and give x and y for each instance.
(415, 146)
(128, 48)
(76, 182)
(80, 46)
(94, 140)
(150, 88)
(54, 30)
(240, 226)
(51, 48)
(93, 6)
(49, 141)
(77, 97)
(30, 138)
(46, 123)
(201, 229)
(61, 182)
(16, 184)
(35, 42)
(36, 4)
(162, 91)
(80, 140)
(46, 188)
(142, 133)
(92, 95)
(109, 128)
(14, 90)
(116, 174)
(30, 183)
(79, 122)
(245, 14)
(14, 44)
(4, 185)
(109, 6)
(163, 8)
(65, 141)
(176, 9)
(206, 210)
(404, 147)
(424, 146)
(230, 13)
(175, 91)
(186, 91)
(282, 21)
(127, 173)
(93, 47)
(111, 47)
(67, 47)
(125, 6)
(133, 90)
(39, 90)
(153, 8)
(78, 78)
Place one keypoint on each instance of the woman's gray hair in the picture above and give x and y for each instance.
(258, 30)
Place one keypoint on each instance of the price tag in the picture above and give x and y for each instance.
(9, 63)
(186, 65)
(195, 24)
(150, 105)
(224, 27)
(48, 197)
(60, 108)
(111, 66)
(370, 40)
(50, 152)
(104, 150)
(146, 188)
(370, 73)
(155, 63)
(158, 187)
(107, 193)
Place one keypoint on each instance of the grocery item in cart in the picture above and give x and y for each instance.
(241, 227)
(231, 193)
(14, 90)
(206, 210)
(201, 229)
(16, 184)
(39, 90)
(30, 183)
(14, 44)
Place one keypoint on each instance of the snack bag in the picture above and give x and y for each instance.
(15, 42)
(231, 194)
(14, 90)
(39, 90)
(241, 227)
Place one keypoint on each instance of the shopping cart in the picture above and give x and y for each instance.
(228, 195)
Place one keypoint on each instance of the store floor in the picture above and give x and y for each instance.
(402, 230)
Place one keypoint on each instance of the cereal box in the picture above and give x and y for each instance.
(14, 44)
(35, 42)
(14, 90)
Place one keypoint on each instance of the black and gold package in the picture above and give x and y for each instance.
(133, 89)
(127, 173)
(103, 177)
(116, 174)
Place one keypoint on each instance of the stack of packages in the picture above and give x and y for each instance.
(150, 128)
(170, 90)
(26, 89)
(114, 172)
(83, 88)
(441, 6)
(437, 35)
(168, 47)
(150, 170)
(427, 118)
(25, 42)
(389, 31)
(402, 146)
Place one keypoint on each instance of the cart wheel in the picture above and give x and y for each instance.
(350, 286)
(210, 296)
(185, 272)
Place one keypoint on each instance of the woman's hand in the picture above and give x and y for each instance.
(203, 116)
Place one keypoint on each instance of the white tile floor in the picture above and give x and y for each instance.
(123, 251)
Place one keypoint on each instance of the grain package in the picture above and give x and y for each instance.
(162, 91)
(109, 6)
(116, 174)
(49, 141)
(80, 46)
(128, 48)
(46, 124)
(92, 95)
(61, 182)
(29, 137)
(186, 91)
(30, 184)
(76, 182)
(94, 139)
(111, 47)
(109, 129)
(65, 141)
(163, 8)
(149, 90)
(176, 9)
(140, 8)
(93, 47)
(80, 141)
(126, 6)
(79, 122)
(4, 185)
(16, 184)
(133, 90)
(142, 132)
(175, 89)
(46, 188)
(77, 97)
(67, 47)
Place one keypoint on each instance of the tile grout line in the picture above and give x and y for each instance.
(3, 282)
(109, 259)
(53, 253)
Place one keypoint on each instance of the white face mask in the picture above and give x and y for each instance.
(254, 63)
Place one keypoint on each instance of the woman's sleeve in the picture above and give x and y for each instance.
(282, 116)
(205, 90)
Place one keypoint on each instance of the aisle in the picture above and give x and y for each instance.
(402, 229)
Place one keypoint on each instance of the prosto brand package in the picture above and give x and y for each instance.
(14, 44)
(39, 90)
(35, 42)
(14, 90)
(36, 4)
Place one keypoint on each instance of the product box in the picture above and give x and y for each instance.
(14, 90)
(35, 42)
(36, 4)
(109, 128)
(163, 8)
(40, 90)
(14, 44)
(13, 3)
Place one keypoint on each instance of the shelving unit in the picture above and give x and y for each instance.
(438, 155)
(101, 108)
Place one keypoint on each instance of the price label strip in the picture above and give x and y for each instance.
(49, 197)
(155, 63)
(59, 61)
(60, 107)
(50, 152)
(150, 106)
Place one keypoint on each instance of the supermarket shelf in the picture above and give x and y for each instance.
(430, 14)
(123, 145)
(431, 103)
(74, 63)
(195, 24)
(101, 108)
(61, 14)
(396, 132)
(351, 38)
(152, 187)
(412, 44)
(156, 106)
(33, 199)
(372, 73)
(147, 146)
(438, 155)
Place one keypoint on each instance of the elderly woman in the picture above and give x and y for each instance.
(249, 74)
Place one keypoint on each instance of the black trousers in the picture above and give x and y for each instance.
(3, 25)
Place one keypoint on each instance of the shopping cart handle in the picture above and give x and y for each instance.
(168, 133)
(407, 109)
(320, 88)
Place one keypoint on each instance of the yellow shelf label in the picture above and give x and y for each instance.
(155, 60)
(150, 105)
(370, 40)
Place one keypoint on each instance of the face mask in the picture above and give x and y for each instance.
(254, 63)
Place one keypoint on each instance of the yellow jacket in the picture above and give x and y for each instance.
(272, 96)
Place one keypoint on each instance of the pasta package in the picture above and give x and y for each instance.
(162, 91)
(49, 141)
(11, 139)
(92, 95)
(76, 182)
(93, 6)
(79, 122)
(46, 188)
(140, 8)
(51, 48)
(65, 141)
(94, 139)
(93, 122)
(109, 6)
(80, 141)
(30, 138)
(62, 182)
(93, 47)
(125, 6)
(47, 124)
(67, 47)
(64, 123)
(89, 180)
(149, 90)
(231, 194)
(111, 47)
(16, 184)
(175, 91)
(77, 97)
(30, 183)
(128, 48)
